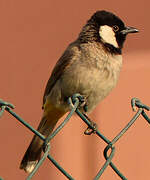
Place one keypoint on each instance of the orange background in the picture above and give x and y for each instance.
(33, 35)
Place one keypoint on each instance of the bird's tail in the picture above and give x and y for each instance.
(34, 151)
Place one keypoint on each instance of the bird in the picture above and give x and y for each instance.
(90, 66)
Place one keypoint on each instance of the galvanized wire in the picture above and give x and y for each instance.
(76, 101)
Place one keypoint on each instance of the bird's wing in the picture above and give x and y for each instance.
(64, 61)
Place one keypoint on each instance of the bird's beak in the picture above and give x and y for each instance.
(129, 30)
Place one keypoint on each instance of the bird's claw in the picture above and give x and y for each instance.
(91, 129)
(82, 99)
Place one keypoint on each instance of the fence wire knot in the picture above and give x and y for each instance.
(4, 105)
(76, 102)
(135, 102)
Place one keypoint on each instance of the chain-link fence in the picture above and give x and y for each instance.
(74, 103)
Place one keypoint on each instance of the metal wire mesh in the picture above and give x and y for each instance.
(74, 103)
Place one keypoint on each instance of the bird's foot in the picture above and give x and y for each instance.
(92, 128)
(83, 102)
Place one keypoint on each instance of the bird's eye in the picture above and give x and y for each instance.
(115, 28)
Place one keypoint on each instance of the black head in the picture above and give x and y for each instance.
(107, 28)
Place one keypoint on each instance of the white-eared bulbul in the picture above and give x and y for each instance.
(89, 66)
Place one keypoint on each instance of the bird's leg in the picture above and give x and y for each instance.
(90, 130)
(93, 126)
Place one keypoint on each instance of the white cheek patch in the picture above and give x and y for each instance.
(108, 36)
